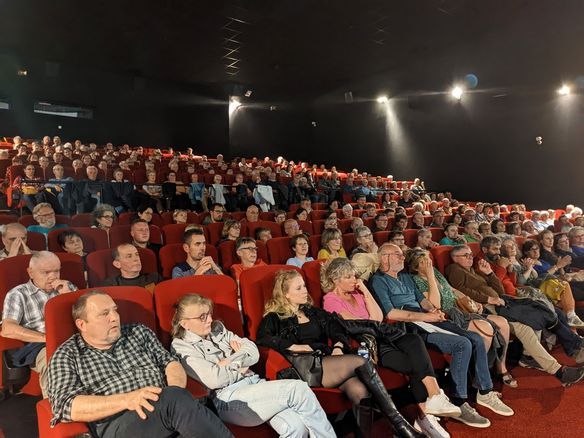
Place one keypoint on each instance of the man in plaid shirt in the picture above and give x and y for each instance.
(23, 317)
(120, 380)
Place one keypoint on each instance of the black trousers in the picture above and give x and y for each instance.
(410, 357)
(175, 412)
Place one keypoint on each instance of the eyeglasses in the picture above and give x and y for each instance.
(250, 248)
(107, 216)
(467, 255)
(203, 317)
(46, 215)
(397, 254)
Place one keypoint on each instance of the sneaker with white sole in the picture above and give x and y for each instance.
(471, 417)
(431, 427)
(440, 405)
(529, 362)
(492, 400)
(575, 322)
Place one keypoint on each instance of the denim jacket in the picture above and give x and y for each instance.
(199, 356)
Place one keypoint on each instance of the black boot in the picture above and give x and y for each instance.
(368, 375)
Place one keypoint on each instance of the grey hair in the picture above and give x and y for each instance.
(334, 269)
(455, 250)
(39, 206)
(13, 225)
(40, 256)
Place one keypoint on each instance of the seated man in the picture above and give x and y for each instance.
(252, 214)
(370, 211)
(381, 223)
(437, 219)
(247, 252)
(195, 245)
(23, 317)
(140, 232)
(356, 222)
(215, 214)
(400, 222)
(44, 214)
(120, 380)
(486, 288)
(14, 240)
(127, 260)
(451, 236)
(401, 300)
(471, 232)
(361, 202)
(291, 228)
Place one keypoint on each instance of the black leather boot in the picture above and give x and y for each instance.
(368, 375)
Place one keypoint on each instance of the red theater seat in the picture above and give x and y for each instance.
(312, 274)
(441, 255)
(82, 220)
(279, 250)
(173, 233)
(273, 226)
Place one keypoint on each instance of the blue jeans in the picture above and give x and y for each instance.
(289, 406)
(569, 340)
(460, 348)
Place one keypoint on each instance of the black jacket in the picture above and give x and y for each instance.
(280, 334)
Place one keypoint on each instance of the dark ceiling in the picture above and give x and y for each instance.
(278, 48)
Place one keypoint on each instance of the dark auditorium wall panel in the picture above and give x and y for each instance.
(480, 148)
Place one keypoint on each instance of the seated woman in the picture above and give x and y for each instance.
(549, 257)
(351, 300)
(474, 322)
(103, 217)
(513, 229)
(471, 232)
(300, 245)
(562, 248)
(365, 242)
(247, 252)
(564, 295)
(301, 214)
(180, 216)
(144, 212)
(70, 241)
(231, 230)
(332, 244)
(221, 361)
(418, 220)
(424, 239)
(292, 325)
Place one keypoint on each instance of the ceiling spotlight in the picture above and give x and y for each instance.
(22, 72)
(382, 99)
(248, 93)
(273, 107)
(457, 92)
(564, 90)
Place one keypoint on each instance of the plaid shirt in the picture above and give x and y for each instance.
(136, 359)
(25, 304)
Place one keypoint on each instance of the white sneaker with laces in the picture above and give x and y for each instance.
(430, 426)
(440, 405)
(575, 321)
(493, 401)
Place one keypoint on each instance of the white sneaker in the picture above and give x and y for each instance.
(440, 405)
(493, 401)
(575, 322)
(430, 426)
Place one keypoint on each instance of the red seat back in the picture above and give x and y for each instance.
(256, 287)
(173, 233)
(305, 226)
(36, 241)
(100, 266)
(273, 226)
(279, 250)
(82, 220)
(312, 274)
(437, 233)
(441, 255)
(121, 234)
(215, 230)
(8, 219)
(411, 238)
(381, 237)
(219, 288)
(135, 305)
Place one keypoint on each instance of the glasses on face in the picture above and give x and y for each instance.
(467, 255)
(249, 248)
(107, 216)
(397, 254)
(46, 215)
(203, 317)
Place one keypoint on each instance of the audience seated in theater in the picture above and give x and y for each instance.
(291, 306)
(331, 242)
(252, 214)
(291, 228)
(103, 217)
(576, 236)
(471, 232)
(231, 230)
(513, 229)
(197, 263)
(402, 352)
(215, 215)
(370, 212)
(400, 222)
(451, 236)
(70, 241)
(485, 229)
(407, 199)
(221, 361)
(356, 222)
(127, 259)
(82, 379)
(456, 219)
(30, 189)
(300, 246)
(140, 233)
(301, 214)
(479, 213)
(247, 252)
(14, 240)
(44, 214)
(279, 216)
(330, 221)
(401, 300)
(528, 228)
(263, 234)
(23, 316)
(380, 223)
(365, 242)
(473, 321)
(361, 202)
(179, 216)
(424, 239)
(306, 204)
(485, 287)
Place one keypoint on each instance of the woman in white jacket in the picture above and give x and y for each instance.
(220, 360)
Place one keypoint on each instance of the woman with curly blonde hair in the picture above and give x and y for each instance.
(292, 326)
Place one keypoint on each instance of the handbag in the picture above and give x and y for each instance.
(553, 288)
(307, 366)
(467, 304)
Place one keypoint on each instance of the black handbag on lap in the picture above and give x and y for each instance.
(306, 366)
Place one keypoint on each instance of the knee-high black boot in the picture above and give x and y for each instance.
(368, 375)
